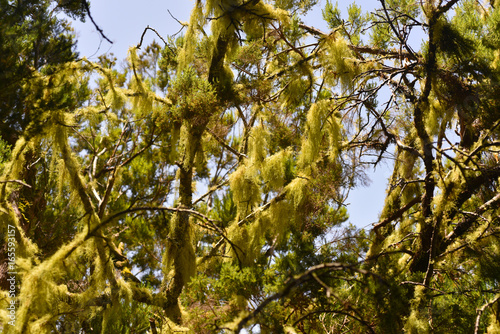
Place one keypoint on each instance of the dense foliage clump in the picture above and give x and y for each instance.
(204, 187)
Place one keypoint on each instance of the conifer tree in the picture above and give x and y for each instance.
(203, 187)
(34, 44)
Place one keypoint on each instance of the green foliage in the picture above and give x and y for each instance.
(204, 187)
(44, 43)
(5, 151)
(192, 96)
(294, 5)
(332, 15)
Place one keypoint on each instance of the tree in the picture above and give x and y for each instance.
(34, 44)
(203, 187)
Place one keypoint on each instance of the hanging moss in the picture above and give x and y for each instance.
(186, 54)
(240, 236)
(334, 128)
(295, 92)
(274, 169)
(282, 220)
(296, 190)
(246, 190)
(494, 326)
(257, 145)
(257, 231)
(416, 322)
(339, 62)
(179, 256)
(314, 133)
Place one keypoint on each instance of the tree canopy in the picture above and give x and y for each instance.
(203, 186)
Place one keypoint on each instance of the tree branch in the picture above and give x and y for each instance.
(262, 208)
(157, 34)
(223, 143)
(397, 214)
(16, 181)
(366, 49)
(300, 279)
(466, 223)
(87, 8)
(481, 310)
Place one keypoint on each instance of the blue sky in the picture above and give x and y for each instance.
(123, 22)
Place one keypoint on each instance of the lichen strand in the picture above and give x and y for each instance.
(339, 62)
(322, 127)
(257, 148)
(274, 169)
(186, 54)
(228, 15)
(179, 263)
(417, 322)
(246, 190)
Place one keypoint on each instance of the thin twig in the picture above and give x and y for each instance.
(422, 284)
(223, 143)
(87, 8)
(397, 214)
(16, 181)
(481, 310)
(153, 30)
(181, 23)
